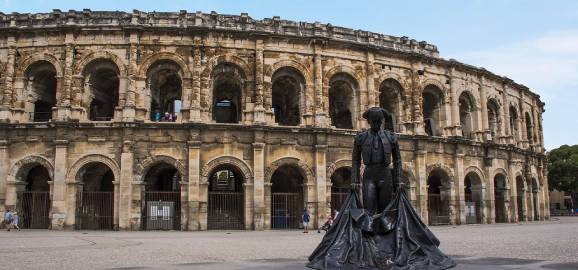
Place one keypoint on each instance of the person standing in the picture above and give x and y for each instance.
(305, 219)
(8, 219)
(15, 221)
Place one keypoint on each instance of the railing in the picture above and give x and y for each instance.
(226, 211)
(94, 210)
(286, 210)
(33, 209)
(161, 210)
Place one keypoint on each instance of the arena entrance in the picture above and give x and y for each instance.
(95, 199)
(33, 204)
(473, 198)
(287, 202)
(161, 208)
(438, 201)
(340, 185)
(500, 198)
(520, 197)
(226, 206)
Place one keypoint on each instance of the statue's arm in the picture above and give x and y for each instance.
(356, 160)
(397, 163)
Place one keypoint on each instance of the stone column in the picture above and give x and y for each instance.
(453, 120)
(506, 116)
(64, 103)
(4, 167)
(5, 114)
(535, 129)
(489, 197)
(259, 114)
(59, 186)
(196, 96)
(459, 175)
(122, 112)
(259, 186)
(484, 127)
(371, 91)
(125, 201)
(194, 151)
(420, 172)
(116, 197)
(185, 114)
(321, 180)
(417, 127)
(321, 108)
(129, 109)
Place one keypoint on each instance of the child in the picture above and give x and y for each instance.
(15, 220)
(8, 219)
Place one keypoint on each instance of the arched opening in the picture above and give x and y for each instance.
(226, 206)
(287, 201)
(164, 79)
(536, 206)
(473, 197)
(41, 86)
(529, 128)
(433, 114)
(467, 117)
(520, 197)
(341, 100)
(33, 203)
(95, 199)
(101, 84)
(288, 84)
(390, 99)
(500, 198)
(228, 82)
(494, 119)
(340, 185)
(438, 197)
(162, 198)
(514, 122)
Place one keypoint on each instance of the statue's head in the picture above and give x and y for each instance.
(374, 117)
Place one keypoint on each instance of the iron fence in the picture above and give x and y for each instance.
(33, 209)
(286, 210)
(94, 210)
(226, 211)
(161, 210)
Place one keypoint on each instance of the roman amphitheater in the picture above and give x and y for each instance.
(196, 121)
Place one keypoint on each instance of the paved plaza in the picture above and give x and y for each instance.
(538, 245)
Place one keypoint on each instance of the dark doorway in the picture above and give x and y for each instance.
(226, 209)
(286, 92)
(340, 185)
(473, 198)
(162, 198)
(95, 200)
(500, 198)
(34, 203)
(166, 86)
(520, 197)
(102, 83)
(41, 83)
(438, 203)
(287, 197)
(341, 102)
(432, 98)
(228, 83)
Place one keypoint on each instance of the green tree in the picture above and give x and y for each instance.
(563, 170)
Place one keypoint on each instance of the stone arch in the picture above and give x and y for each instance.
(501, 171)
(343, 105)
(26, 164)
(143, 167)
(305, 72)
(479, 172)
(227, 160)
(27, 62)
(450, 173)
(98, 158)
(438, 84)
(472, 98)
(335, 166)
(305, 169)
(152, 59)
(393, 76)
(228, 58)
(357, 75)
(83, 63)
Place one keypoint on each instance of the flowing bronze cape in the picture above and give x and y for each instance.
(396, 239)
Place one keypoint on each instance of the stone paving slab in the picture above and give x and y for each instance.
(541, 245)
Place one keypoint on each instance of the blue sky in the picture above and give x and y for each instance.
(533, 42)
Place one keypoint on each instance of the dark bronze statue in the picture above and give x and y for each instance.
(378, 148)
(385, 232)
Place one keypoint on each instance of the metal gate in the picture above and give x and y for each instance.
(437, 212)
(520, 204)
(95, 210)
(226, 211)
(161, 210)
(473, 210)
(286, 210)
(33, 209)
(500, 208)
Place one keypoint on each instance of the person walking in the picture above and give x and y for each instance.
(15, 221)
(8, 219)
(305, 219)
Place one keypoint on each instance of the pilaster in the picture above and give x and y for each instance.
(259, 186)
(194, 172)
(58, 209)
